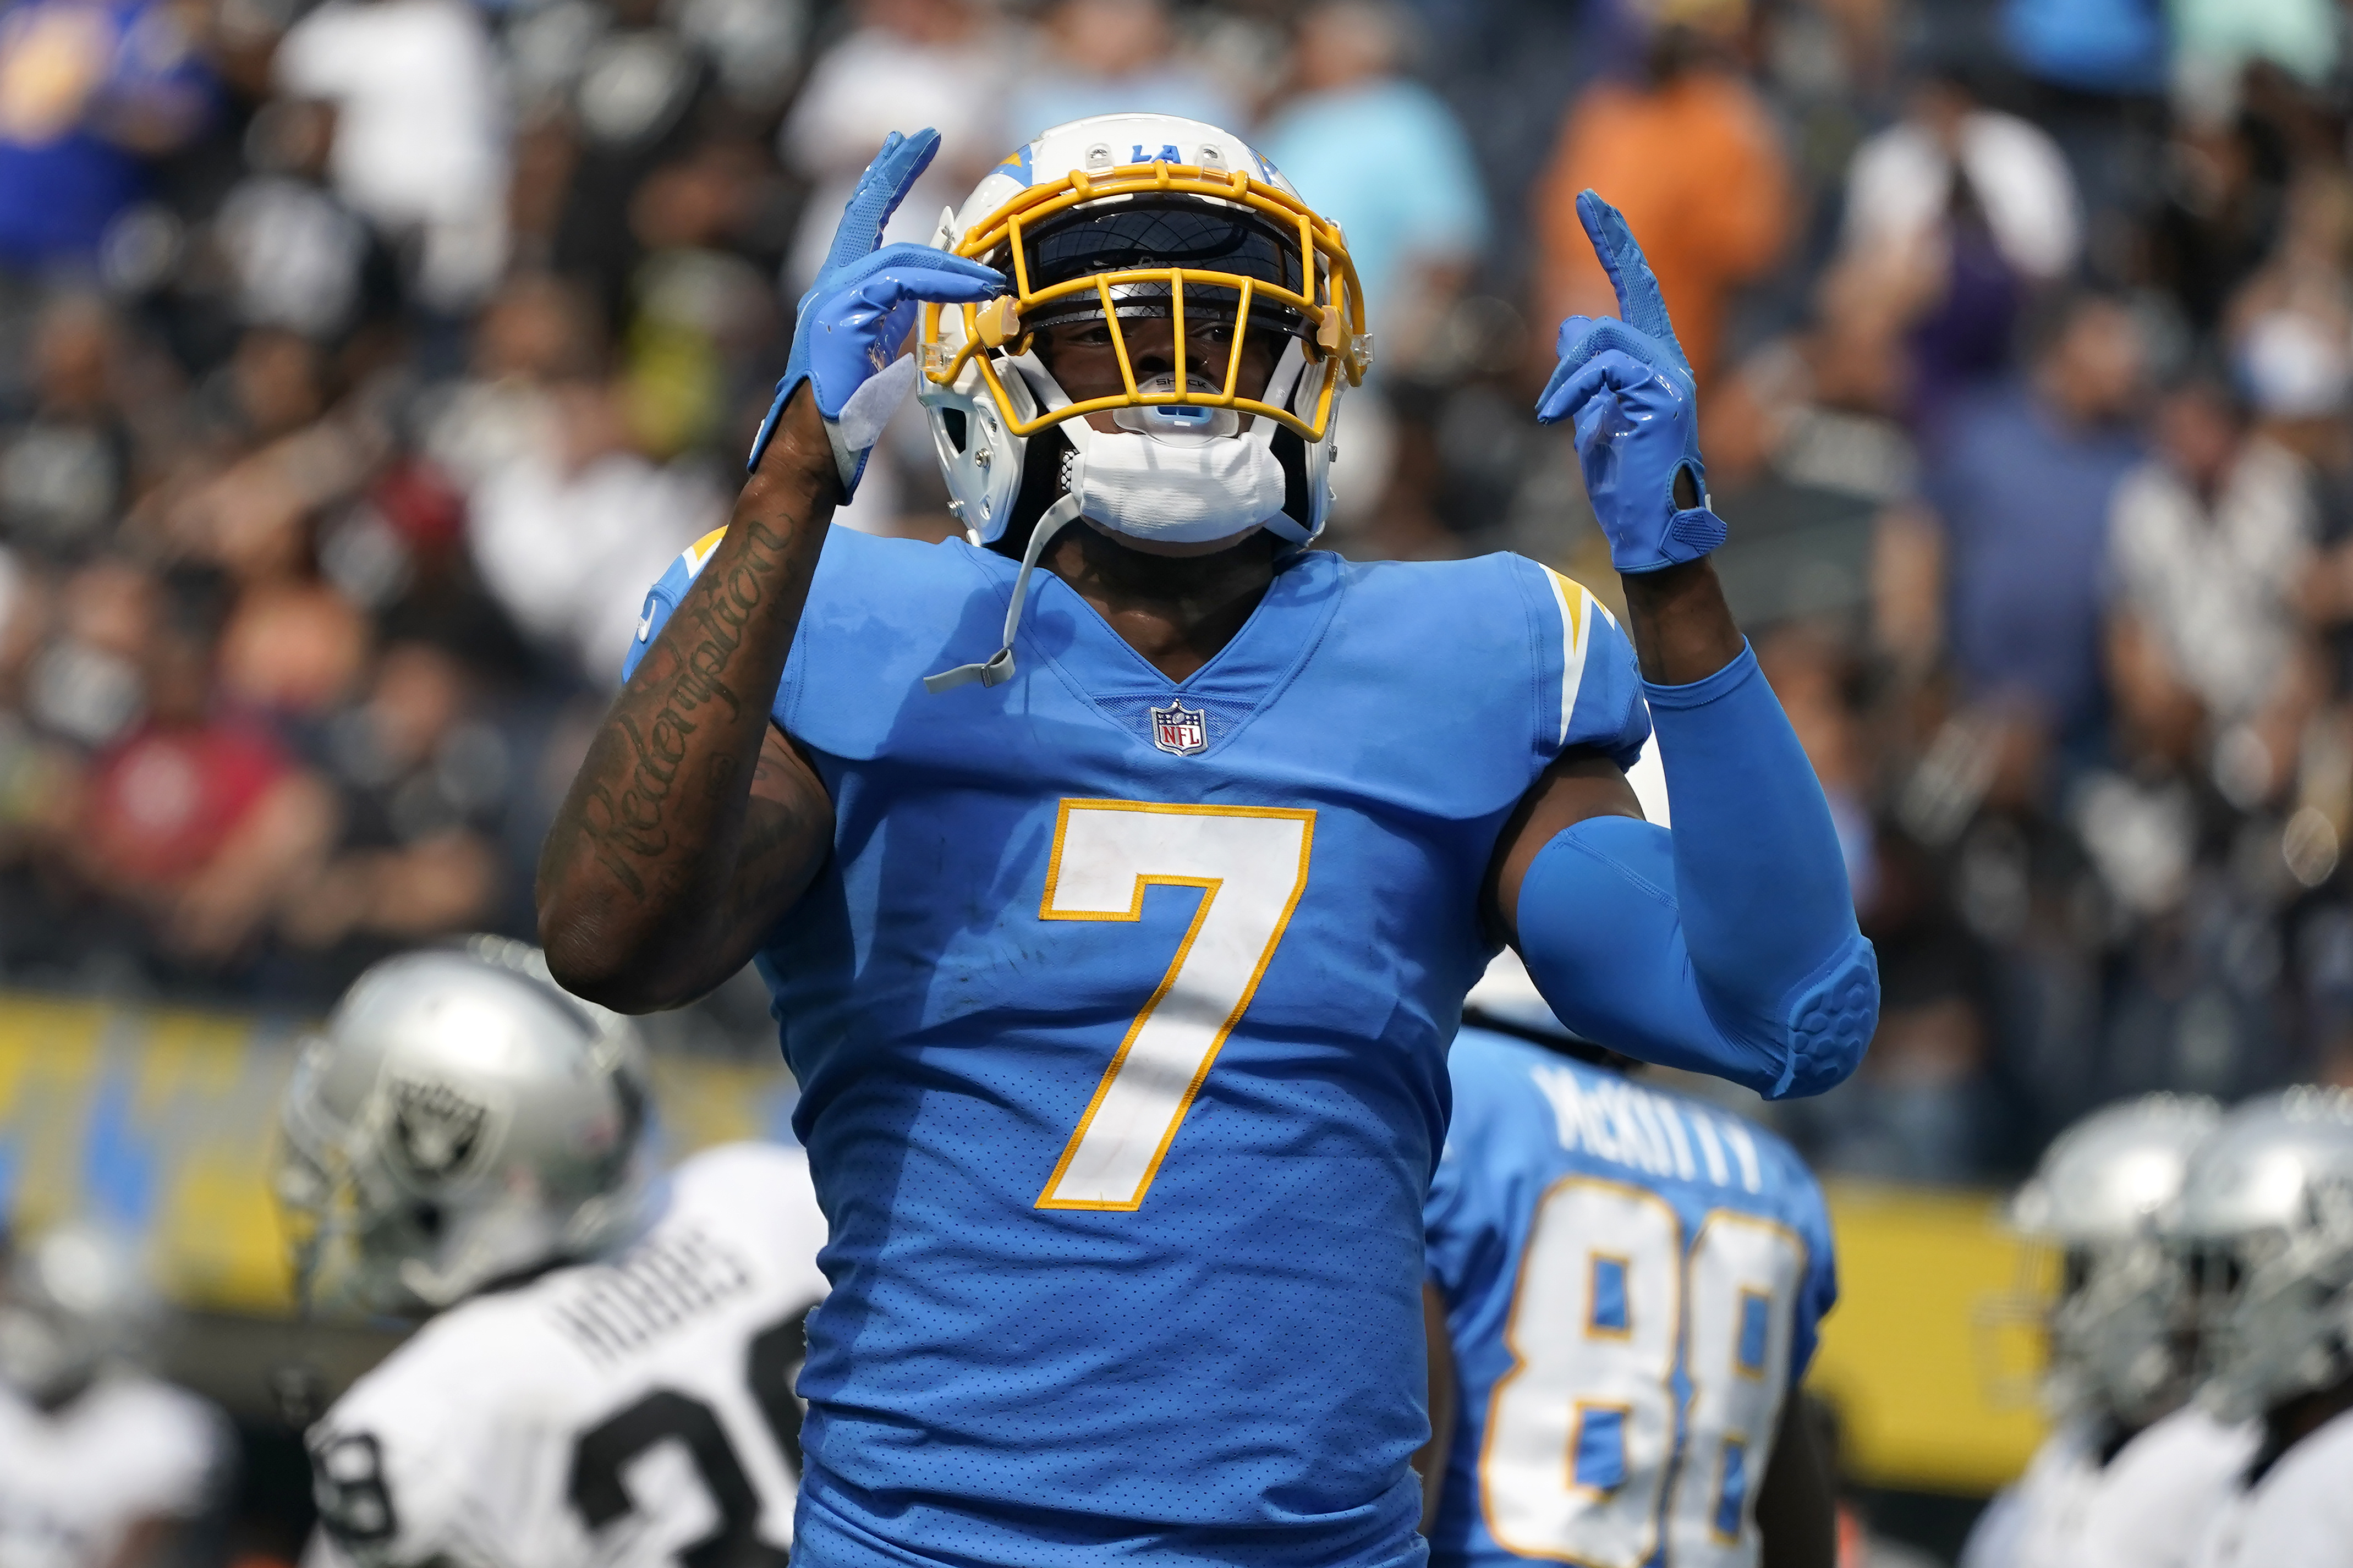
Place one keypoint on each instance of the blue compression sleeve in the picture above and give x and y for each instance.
(1729, 946)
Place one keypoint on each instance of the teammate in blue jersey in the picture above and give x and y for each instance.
(1119, 869)
(1625, 1286)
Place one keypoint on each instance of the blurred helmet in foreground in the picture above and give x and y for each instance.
(461, 1119)
(75, 1297)
(2117, 1324)
(2266, 1223)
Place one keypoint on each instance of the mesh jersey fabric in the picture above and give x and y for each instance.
(1227, 1369)
(1533, 1127)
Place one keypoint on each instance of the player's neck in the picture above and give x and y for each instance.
(1176, 611)
(2113, 1434)
(2285, 1426)
(51, 1401)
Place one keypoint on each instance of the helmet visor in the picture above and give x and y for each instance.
(1148, 233)
(1160, 241)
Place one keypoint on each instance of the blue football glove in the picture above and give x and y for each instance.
(1629, 388)
(851, 323)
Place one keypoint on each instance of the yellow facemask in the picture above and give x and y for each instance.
(1332, 310)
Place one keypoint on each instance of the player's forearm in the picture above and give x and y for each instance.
(1682, 630)
(1759, 877)
(645, 882)
(1728, 947)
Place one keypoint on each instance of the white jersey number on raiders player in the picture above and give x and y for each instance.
(357, 1508)
(606, 1449)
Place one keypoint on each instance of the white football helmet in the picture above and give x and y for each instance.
(2266, 1225)
(75, 1297)
(2117, 1325)
(461, 1119)
(1128, 217)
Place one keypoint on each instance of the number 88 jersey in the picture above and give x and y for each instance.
(623, 1413)
(1633, 1283)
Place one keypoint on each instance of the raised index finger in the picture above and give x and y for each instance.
(1640, 304)
(880, 189)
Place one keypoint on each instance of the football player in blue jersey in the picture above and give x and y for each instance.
(1624, 1290)
(1118, 870)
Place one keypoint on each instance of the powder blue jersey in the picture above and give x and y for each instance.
(1120, 1016)
(1633, 1280)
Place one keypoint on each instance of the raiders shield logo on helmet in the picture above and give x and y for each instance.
(438, 1132)
(1179, 729)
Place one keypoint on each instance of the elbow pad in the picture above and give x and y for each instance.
(1602, 934)
(1830, 1018)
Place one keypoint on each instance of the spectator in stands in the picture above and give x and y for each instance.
(1108, 56)
(422, 782)
(196, 821)
(1952, 160)
(89, 89)
(2221, 216)
(567, 531)
(280, 449)
(1800, 448)
(564, 516)
(1955, 215)
(698, 313)
(2209, 542)
(949, 56)
(1690, 156)
(1385, 157)
(2021, 478)
(66, 473)
(2213, 40)
(420, 136)
(298, 256)
(2215, 680)
(635, 100)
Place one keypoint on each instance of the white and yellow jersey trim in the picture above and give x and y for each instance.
(1579, 613)
(699, 553)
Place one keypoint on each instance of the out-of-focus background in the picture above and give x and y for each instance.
(361, 364)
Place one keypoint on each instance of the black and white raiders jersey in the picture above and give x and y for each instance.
(2142, 1509)
(75, 1481)
(2297, 1514)
(634, 1412)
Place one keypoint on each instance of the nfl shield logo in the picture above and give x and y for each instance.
(1179, 729)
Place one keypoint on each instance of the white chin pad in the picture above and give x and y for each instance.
(1170, 474)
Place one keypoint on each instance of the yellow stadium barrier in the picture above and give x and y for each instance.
(166, 1118)
(1931, 1394)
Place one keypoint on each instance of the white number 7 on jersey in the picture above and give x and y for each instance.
(1250, 864)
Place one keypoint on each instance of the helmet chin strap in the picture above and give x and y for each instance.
(999, 668)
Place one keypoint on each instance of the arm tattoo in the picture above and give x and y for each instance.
(687, 830)
(633, 769)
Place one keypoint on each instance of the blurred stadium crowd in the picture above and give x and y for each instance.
(361, 363)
